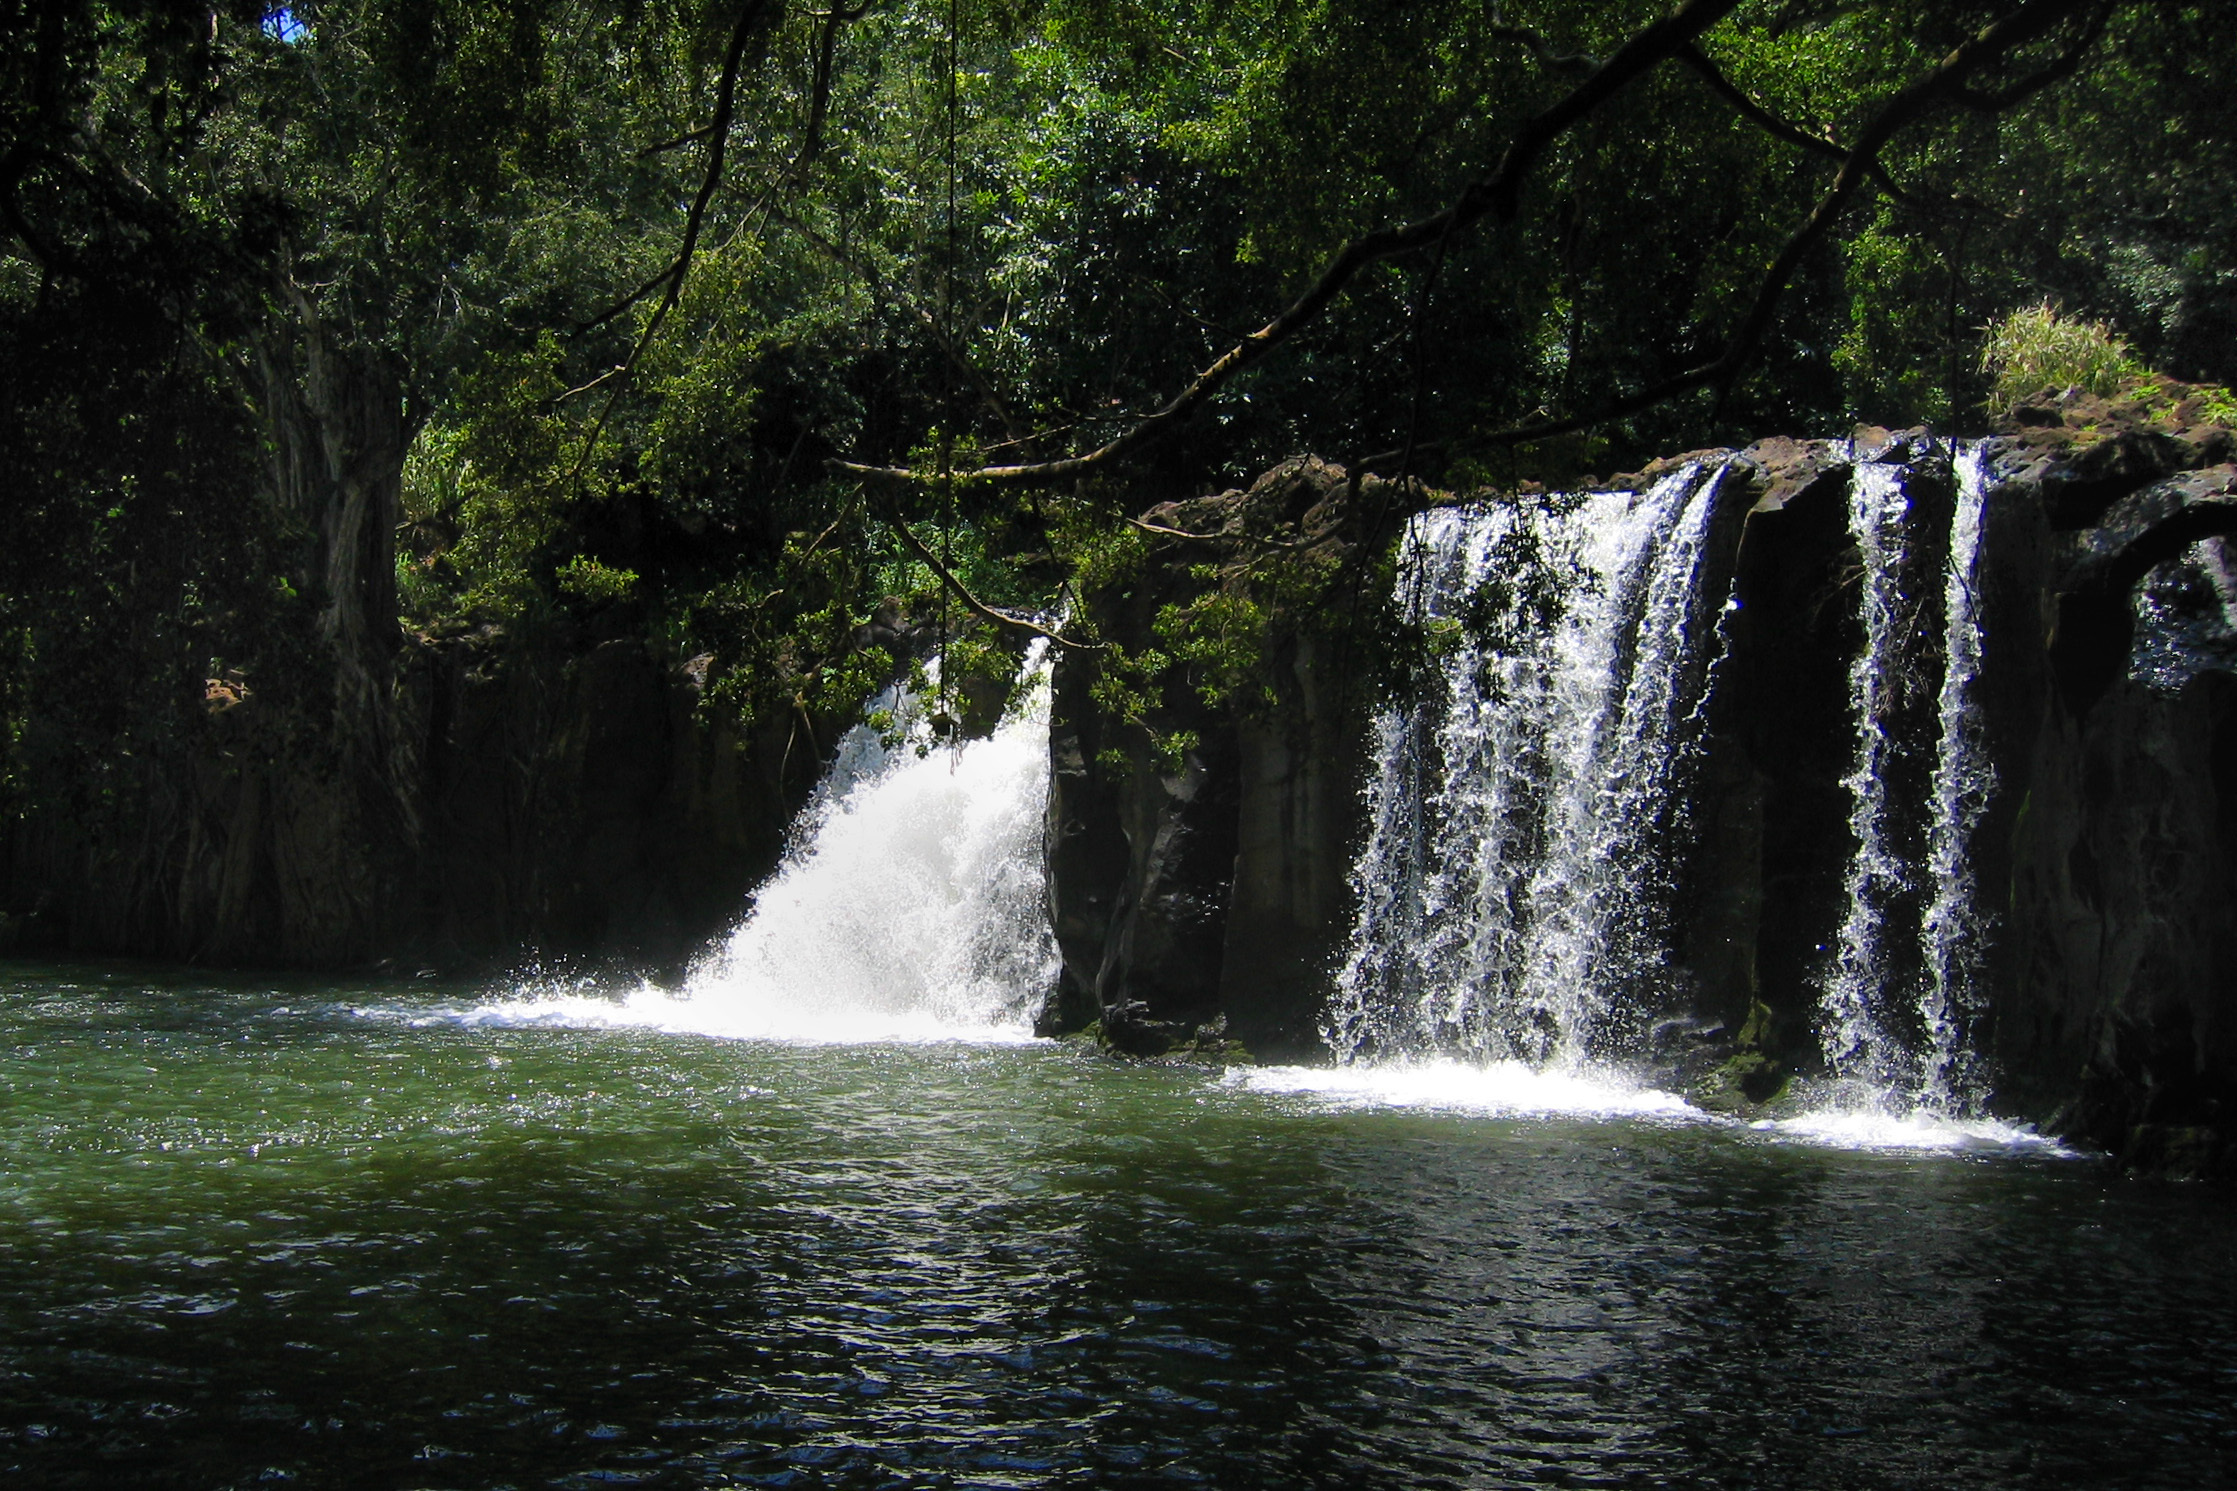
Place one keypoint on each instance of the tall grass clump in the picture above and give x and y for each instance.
(2035, 348)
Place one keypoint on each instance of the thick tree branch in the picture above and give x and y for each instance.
(819, 96)
(995, 614)
(1498, 195)
(1944, 85)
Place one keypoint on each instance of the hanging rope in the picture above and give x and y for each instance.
(948, 413)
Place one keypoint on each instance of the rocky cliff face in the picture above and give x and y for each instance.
(1206, 899)
(551, 804)
(1199, 890)
(2106, 861)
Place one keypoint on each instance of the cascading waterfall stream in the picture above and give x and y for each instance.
(1516, 887)
(1906, 1042)
(1857, 1043)
(1954, 930)
(1510, 886)
(909, 907)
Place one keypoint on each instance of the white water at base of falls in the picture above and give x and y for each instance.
(909, 907)
(1512, 1090)
(1510, 880)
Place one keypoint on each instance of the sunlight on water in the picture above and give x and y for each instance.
(302, 1233)
(1504, 1087)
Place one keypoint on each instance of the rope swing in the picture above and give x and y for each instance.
(944, 719)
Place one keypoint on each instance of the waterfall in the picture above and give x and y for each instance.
(1906, 1038)
(1857, 1041)
(1527, 803)
(909, 905)
(1512, 889)
(1953, 932)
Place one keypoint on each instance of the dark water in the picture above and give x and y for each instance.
(250, 1238)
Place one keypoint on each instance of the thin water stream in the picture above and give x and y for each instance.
(291, 1234)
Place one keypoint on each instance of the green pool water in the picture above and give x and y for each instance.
(273, 1233)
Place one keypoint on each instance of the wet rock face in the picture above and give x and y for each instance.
(1209, 901)
(1201, 899)
(2120, 1014)
(1771, 815)
(578, 807)
(546, 806)
(2108, 858)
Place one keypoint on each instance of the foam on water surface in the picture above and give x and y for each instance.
(1921, 1130)
(1502, 1088)
(682, 1013)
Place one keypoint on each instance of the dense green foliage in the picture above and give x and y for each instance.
(624, 344)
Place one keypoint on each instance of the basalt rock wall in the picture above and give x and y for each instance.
(1202, 896)
(542, 804)
(2107, 859)
(1199, 853)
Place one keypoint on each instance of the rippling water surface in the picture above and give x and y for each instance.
(254, 1235)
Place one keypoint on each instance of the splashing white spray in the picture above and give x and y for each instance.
(1856, 1044)
(1955, 929)
(909, 908)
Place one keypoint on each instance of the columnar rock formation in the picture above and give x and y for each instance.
(1205, 898)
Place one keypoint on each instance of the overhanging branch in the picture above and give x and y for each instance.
(1497, 195)
(717, 137)
(972, 603)
(1945, 84)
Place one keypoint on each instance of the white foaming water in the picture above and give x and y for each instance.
(909, 908)
(1511, 885)
(1869, 1128)
(1498, 1088)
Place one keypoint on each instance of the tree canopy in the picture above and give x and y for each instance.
(722, 323)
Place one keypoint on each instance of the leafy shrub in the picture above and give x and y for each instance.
(585, 577)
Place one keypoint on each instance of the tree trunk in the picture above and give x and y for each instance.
(336, 432)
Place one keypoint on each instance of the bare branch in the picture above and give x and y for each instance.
(2064, 67)
(718, 142)
(688, 137)
(1782, 129)
(667, 272)
(1543, 50)
(1159, 530)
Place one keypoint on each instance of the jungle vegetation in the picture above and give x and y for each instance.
(722, 322)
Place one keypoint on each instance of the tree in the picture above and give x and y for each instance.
(720, 323)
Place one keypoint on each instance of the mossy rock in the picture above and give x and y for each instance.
(1749, 1079)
